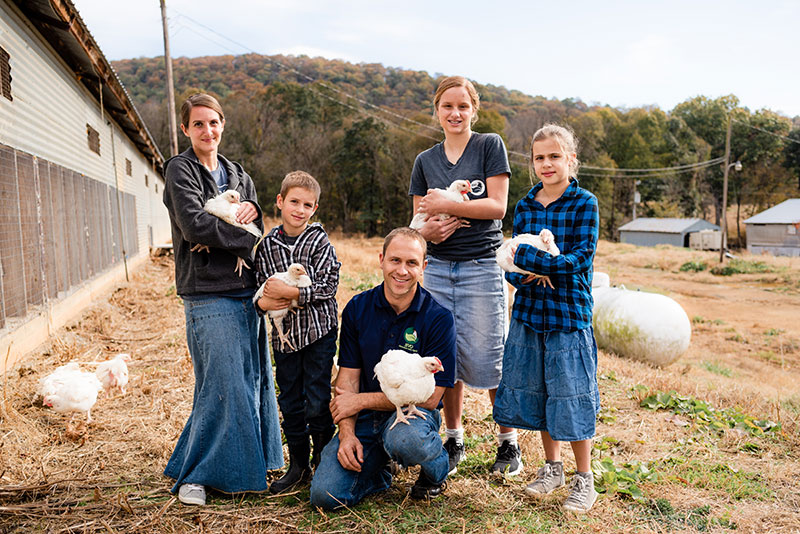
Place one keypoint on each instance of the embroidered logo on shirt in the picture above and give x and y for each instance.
(410, 336)
(478, 187)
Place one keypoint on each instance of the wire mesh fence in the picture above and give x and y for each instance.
(58, 228)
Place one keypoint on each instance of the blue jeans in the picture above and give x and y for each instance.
(475, 292)
(419, 443)
(232, 437)
(304, 381)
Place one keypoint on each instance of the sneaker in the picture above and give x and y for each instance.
(192, 494)
(548, 479)
(456, 452)
(509, 459)
(581, 494)
(423, 488)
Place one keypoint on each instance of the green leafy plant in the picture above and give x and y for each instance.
(610, 478)
(705, 416)
(693, 266)
(737, 266)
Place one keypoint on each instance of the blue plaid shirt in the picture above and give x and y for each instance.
(574, 220)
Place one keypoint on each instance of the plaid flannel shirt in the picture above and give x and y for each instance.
(574, 220)
(313, 249)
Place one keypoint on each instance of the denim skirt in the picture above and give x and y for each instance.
(549, 382)
(232, 437)
(475, 292)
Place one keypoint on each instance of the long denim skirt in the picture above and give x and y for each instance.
(232, 437)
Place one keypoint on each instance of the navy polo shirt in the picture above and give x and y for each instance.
(370, 328)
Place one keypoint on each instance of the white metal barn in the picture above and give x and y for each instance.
(776, 230)
(649, 232)
(80, 181)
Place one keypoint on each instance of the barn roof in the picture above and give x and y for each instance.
(787, 212)
(60, 24)
(667, 225)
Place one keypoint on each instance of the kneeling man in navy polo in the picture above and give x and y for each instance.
(398, 314)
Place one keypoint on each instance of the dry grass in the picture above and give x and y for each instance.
(745, 352)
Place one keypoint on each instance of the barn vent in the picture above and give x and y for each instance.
(5, 74)
(128, 167)
(146, 181)
(94, 139)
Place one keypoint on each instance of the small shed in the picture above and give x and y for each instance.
(649, 231)
(776, 230)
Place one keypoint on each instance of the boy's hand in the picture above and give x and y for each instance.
(246, 213)
(275, 289)
(266, 303)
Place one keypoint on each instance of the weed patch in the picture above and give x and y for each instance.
(737, 266)
(662, 512)
(716, 368)
(610, 478)
(693, 266)
(736, 483)
(706, 416)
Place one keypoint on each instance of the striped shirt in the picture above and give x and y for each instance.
(573, 218)
(314, 251)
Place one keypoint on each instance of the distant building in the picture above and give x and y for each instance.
(80, 180)
(776, 230)
(648, 232)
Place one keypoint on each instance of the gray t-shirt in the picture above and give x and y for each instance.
(484, 156)
(221, 177)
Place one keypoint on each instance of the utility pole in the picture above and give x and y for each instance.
(173, 127)
(724, 219)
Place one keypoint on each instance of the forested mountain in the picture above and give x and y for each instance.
(358, 127)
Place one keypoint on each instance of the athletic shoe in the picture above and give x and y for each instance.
(581, 494)
(549, 478)
(192, 494)
(509, 459)
(456, 452)
(423, 488)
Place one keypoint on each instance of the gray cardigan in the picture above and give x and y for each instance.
(188, 186)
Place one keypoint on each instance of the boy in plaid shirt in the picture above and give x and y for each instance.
(303, 375)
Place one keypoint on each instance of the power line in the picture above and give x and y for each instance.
(789, 139)
(309, 78)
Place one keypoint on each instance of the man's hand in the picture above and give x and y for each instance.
(345, 404)
(351, 452)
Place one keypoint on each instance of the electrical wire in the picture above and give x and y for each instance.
(789, 139)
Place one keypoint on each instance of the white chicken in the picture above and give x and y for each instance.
(505, 254)
(457, 192)
(73, 391)
(407, 379)
(294, 276)
(50, 383)
(113, 373)
(225, 205)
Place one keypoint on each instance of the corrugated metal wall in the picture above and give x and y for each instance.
(58, 228)
(776, 239)
(651, 239)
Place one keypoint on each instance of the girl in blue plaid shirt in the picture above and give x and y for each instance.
(549, 380)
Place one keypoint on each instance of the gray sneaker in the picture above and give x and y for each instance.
(581, 494)
(549, 478)
(192, 494)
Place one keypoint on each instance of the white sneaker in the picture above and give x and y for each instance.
(192, 494)
(581, 495)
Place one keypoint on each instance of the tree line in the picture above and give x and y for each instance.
(334, 127)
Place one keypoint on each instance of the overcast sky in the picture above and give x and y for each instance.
(622, 53)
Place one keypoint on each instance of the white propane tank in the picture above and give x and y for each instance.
(643, 326)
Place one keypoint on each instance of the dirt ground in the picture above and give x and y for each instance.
(745, 353)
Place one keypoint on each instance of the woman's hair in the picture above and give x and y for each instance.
(199, 99)
(565, 137)
(458, 81)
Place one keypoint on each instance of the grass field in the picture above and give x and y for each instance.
(710, 443)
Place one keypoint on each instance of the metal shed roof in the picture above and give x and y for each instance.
(61, 25)
(787, 212)
(667, 225)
